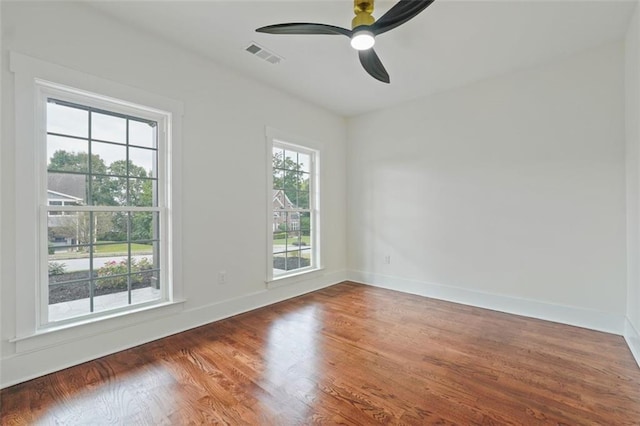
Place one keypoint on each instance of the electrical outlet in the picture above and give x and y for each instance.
(387, 259)
(222, 277)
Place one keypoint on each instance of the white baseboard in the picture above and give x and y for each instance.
(632, 336)
(580, 317)
(25, 366)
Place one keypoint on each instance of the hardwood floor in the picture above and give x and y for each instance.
(349, 354)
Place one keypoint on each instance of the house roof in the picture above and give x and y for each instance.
(69, 185)
(276, 197)
(59, 196)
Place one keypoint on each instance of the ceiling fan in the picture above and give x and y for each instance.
(364, 29)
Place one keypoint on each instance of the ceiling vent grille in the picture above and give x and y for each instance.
(263, 53)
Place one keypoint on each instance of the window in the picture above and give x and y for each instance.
(97, 212)
(104, 244)
(105, 201)
(293, 209)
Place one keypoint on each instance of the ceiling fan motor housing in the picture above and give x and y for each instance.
(363, 10)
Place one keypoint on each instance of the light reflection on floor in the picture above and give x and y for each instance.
(139, 395)
(292, 360)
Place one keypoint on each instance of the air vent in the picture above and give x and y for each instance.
(263, 53)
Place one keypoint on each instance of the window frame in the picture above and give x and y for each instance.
(45, 91)
(278, 139)
(29, 185)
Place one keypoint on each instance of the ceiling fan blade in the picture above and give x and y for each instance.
(372, 64)
(304, 28)
(400, 13)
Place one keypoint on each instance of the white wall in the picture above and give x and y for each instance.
(632, 92)
(224, 172)
(507, 193)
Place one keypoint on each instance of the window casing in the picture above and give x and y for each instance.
(35, 81)
(293, 210)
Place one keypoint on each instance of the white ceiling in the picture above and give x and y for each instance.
(450, 44)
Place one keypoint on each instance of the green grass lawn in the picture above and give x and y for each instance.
(122, 248)
(305, 239)
(107, 250)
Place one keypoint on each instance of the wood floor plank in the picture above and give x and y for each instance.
(349, 354)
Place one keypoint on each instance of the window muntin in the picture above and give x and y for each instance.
(104, 245)
(293, 210)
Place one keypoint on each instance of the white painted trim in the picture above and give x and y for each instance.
(295, 278)
(29, 365)
(81, 329)
(31, 75)
(34, 68)
(571, 315)
(632, 337)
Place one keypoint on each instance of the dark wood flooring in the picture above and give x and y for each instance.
(349, 354)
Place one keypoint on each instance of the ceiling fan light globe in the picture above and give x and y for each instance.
(363, 40)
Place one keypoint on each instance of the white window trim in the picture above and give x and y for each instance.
(29, 180)
(276, 137)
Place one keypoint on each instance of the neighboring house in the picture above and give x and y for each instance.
(63, 226)
(281, 201)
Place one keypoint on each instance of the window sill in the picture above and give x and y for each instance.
(295, 278)
(56, 335)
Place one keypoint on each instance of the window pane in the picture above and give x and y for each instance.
(68, 300)
(278, 179)
(293, 238)
(108, 191)
(303, 200)
(278, 156)
(293, 261)
(279, 263)
(305, 224)
(111, 252)
(67, 154)
(304, 162)
(67, 120)
(108, 158)
(144, 226)
(110, 227)
(71, 188)
(279, 242)
(143, 162)
(290, 183)
(144, 287)
(290, 160)
(141, 267)
(111, 290)
(282, 221)
(111, 261)
(141, 192)
(108, 128)
(68, 229)
(305, 180)
(305, 257)
(62, 271)
(142, 134)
